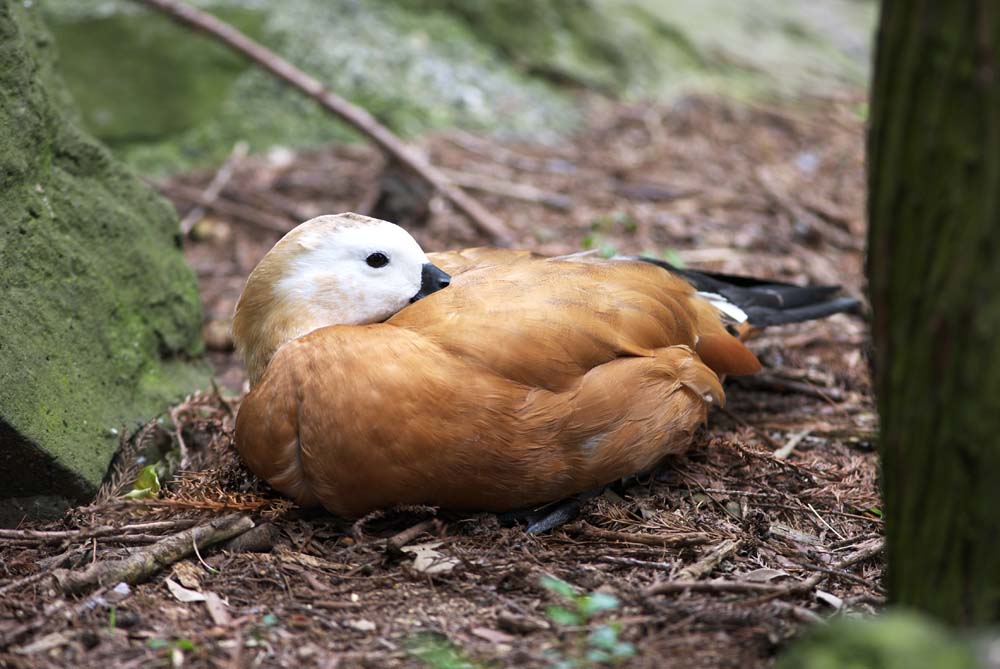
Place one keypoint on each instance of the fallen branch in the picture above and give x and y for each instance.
(709, 561)
(358, 118)
(147, 561)
(214, 187)
(663, 540)
(514, 191)
(395, 543)
(793, 441)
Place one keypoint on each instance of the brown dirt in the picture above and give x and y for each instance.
(737, 189)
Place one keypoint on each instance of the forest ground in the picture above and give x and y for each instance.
(770, 524)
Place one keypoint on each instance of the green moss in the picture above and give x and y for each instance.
(895, 640)
(99, 310)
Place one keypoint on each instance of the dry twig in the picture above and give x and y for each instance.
(709, 561)
(147, 561)
(215, 186)
(664, 540)
(357, 117)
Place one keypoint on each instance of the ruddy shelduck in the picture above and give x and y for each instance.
(482, 379)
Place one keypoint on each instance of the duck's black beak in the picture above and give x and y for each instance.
(432, 279)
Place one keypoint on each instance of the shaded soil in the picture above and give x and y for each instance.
(776, 505)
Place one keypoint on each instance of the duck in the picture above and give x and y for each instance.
(481, 379)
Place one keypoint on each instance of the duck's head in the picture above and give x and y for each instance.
(346, 269)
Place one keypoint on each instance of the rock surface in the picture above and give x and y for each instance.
(99, 312)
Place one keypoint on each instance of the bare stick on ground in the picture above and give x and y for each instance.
(147, 561)
(358, 118)
(665, 540)
(709, 561)
(215, 187)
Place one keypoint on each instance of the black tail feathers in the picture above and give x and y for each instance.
(765, 302)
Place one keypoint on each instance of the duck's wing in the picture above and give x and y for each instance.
(546, 322)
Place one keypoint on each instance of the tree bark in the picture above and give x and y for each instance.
(934, 275)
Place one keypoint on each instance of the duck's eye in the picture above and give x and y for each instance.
(377, 259)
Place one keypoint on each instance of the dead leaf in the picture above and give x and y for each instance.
(763, 575)
(831, 600)
(217, 610)
(493, 636)
(426, 560)
(45, 644)
(182, 594)
(361, 625)
(187, 574)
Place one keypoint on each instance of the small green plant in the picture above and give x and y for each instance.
(439, 653)
(599, 646)
(147, 484)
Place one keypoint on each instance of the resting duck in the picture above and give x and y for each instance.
(483, 379)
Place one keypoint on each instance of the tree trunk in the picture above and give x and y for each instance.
(934, 272)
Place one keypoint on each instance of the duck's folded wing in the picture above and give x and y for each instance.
(547, 322)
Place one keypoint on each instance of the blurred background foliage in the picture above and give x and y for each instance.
(167, 99)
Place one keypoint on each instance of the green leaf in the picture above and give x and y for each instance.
(157, 644)
(605, 637)
(596, 602)
(598, 656)
(558, 586)
(608, 251)
(185, 644)
(875, 511)
(623, 650)
(560, 615)
(440, 653)
(147, 484)
(269, 620)
(588, 242)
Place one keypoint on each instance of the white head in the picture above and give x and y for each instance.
(346, 269)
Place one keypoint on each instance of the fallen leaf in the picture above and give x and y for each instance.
(427, 560)
(493, 636)
(182, 594)
(217, 610)
(763, 575)
(45, 644)
(831, 600)
(361, 625)
(187, 574)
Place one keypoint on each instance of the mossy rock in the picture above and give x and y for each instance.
(100, 314)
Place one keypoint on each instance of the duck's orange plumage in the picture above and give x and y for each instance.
(526, 380)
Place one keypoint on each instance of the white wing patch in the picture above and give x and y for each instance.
(725, 306)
